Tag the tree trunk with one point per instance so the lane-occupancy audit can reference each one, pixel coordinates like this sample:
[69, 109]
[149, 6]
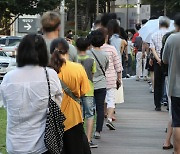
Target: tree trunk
[165, 8]
[87, 16]
[108, 6]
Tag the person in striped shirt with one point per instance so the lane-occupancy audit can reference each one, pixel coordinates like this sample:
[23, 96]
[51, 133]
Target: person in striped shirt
[113, 74]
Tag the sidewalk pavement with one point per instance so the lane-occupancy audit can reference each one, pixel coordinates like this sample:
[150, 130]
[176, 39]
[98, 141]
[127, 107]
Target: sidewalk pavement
[139, 129]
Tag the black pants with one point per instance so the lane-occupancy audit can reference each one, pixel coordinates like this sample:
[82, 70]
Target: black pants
[75, 141]
[158, 84]
[175, 107]
[128, 66]
[99, 97]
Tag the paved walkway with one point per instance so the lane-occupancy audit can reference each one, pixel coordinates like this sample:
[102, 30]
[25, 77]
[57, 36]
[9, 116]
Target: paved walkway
[139, 129]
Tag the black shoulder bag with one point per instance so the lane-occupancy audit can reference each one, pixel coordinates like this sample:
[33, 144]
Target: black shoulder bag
[54, 129]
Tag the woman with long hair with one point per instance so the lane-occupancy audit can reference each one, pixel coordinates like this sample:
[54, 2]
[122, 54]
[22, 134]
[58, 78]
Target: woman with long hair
[115, 37]
[113, 76]
[75, 79]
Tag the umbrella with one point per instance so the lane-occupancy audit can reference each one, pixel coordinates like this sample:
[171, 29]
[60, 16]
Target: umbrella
[150, 27]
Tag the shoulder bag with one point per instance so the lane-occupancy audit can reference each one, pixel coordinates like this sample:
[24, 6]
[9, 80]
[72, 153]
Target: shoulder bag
[54, 129]
[69, 92]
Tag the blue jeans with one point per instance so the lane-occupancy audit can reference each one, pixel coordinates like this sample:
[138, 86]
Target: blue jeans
[88, 106]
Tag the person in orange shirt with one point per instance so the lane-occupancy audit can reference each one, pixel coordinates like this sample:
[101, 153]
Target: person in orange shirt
[75, 78]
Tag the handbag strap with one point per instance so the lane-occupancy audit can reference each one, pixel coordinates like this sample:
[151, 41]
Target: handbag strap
[49, 89]
[69, 92]
[99, 64]
[47, 77]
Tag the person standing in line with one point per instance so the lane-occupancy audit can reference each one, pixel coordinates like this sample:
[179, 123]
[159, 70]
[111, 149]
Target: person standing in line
[113, 76]
[156, 45]
[75, 78]
[50, 22]
[96, 25]
[87, 101]
[124, 36]
[97, 39]
[128, 66]
[107, 17]
[171, 56]
[140, 59]
[114, 37]
[137, 27]
[167, 144]
[25, 96]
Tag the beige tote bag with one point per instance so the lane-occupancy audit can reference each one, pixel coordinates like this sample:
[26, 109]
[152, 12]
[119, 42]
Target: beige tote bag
[119, 96]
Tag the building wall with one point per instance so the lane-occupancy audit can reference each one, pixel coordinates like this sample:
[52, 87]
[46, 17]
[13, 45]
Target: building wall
[129, 15]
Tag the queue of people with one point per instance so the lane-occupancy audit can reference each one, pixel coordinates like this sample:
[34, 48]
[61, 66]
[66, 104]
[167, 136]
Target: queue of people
[83, 80]
[79, 79]
[163, 49]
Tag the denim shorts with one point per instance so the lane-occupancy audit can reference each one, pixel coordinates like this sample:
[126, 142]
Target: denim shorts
[88, 106]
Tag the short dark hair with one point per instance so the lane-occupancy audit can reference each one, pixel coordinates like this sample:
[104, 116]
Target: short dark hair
[97, 38]
[70, 36]
[107, 17]
[138, 26]
[97, 22]
[32, 50]
[153, 17]
[133, 31]
[82, 44]
[177, 19]
[60, 44]
[123, 34]
[144, 21]
[104, 31]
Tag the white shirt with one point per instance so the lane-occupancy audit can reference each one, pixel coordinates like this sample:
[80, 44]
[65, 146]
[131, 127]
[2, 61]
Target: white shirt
[156, 40]
[129, 47]
[25, 95]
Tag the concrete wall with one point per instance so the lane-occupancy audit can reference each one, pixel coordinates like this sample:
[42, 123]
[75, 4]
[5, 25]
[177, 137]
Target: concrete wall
[129, 15]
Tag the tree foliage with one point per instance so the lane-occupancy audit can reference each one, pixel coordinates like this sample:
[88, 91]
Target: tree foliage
[13, 8]
[172, 6]
[88, 8]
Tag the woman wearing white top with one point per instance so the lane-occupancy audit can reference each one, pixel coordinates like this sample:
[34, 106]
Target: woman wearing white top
[25, 96]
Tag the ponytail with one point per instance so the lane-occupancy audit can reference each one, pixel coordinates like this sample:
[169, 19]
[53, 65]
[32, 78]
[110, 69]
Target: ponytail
[56, 60]
[58, 48]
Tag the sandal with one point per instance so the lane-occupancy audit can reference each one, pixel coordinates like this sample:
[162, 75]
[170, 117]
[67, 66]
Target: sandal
[167, 147]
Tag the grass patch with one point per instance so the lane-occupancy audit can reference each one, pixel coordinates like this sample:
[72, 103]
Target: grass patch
[3, 123]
